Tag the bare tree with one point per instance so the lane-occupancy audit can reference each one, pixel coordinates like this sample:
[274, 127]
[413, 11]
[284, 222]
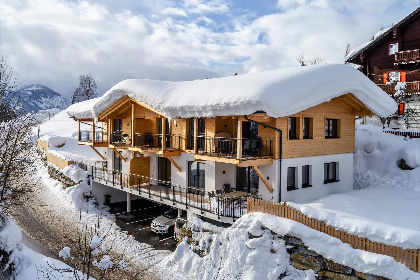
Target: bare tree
[16, 155]
[87, 89]
[310, 61]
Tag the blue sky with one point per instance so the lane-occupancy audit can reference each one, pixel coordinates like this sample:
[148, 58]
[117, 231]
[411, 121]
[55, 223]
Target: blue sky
[54, 41]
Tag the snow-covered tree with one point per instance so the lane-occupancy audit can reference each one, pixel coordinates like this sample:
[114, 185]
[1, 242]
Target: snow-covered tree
[310, 61]
[87, 89]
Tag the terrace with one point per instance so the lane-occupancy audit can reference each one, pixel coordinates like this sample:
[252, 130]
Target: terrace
[405, 57]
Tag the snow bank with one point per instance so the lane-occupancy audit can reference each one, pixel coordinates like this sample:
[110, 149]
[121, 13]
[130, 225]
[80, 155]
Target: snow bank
[232, 255]
[278, 92]
[11, 243]
[53, 141]
[411, 155]
[75, 173]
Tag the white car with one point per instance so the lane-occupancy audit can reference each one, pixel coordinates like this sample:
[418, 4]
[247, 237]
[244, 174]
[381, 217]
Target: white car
[165, 222]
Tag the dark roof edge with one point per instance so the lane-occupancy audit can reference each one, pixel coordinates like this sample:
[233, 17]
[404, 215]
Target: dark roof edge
[397, 25]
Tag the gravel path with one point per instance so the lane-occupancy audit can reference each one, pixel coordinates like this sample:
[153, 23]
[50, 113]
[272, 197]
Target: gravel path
[47, 230]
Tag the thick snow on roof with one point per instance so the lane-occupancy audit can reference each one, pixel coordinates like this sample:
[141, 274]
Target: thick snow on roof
[358, 49]
[83, 109]
[279, 93]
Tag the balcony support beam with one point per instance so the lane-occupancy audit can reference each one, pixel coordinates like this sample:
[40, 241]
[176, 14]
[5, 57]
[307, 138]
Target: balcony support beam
[96, 151]
[174, 163]
[239, 140]
[266, 183]
[120, 155]
[133, 119]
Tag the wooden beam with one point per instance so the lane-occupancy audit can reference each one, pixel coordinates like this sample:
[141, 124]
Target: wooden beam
[99, 154]
[174, 163]
[163, 134]
[195, 134]
[110, 130]
[239, 141]
[262, 178]
[93, 132]
[118, 153]
[132, 124]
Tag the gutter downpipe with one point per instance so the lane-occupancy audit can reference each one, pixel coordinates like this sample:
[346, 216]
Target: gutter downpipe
[281, 146]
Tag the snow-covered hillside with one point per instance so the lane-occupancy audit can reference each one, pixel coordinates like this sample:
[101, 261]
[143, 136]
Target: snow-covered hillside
[35, 97]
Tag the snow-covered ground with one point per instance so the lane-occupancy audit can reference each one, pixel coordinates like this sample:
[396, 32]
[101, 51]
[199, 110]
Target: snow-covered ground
[62, 129]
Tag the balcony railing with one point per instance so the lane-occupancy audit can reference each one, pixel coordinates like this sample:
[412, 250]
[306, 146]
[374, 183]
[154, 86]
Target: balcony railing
[227, 147]
[154, 141]
[411, 87]
[120, 138]
[407, 56]
[87, 136]
[162, 191]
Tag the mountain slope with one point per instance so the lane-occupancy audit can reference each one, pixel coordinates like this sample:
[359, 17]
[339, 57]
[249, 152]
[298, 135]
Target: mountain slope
[35, 97]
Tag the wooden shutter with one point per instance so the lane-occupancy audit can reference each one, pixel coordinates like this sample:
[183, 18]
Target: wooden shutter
[385, 78]
[403, 76]
[401, 109]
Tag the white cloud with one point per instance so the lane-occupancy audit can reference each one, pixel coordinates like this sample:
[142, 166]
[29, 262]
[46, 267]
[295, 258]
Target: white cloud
[54, 41]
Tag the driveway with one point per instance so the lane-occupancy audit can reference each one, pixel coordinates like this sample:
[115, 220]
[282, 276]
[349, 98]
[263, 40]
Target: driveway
[137, 222]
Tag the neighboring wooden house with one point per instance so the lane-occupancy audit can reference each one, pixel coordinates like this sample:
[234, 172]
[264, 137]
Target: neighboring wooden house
[205, 145]
[394, 56]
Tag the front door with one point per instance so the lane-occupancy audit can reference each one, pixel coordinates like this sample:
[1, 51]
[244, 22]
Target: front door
[196, 176]
[164, 172]
[247, 180]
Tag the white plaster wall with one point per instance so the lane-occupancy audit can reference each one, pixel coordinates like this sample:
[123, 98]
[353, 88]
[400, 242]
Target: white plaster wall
[228, 178]
[210, 167]
[99, 190]
[318, 189]
[270, 173]
[177, 177]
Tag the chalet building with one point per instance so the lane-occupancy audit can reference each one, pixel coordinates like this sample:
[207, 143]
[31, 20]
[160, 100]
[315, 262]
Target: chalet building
[206, 145]
[394, 56]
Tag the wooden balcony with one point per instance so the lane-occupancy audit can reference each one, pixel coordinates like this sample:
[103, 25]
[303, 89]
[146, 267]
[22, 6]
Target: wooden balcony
[93, 138]
[411, 88]
[405, 57]
[154, 143]
[234, 150]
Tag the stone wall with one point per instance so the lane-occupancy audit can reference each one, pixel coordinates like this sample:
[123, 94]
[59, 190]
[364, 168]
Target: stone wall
[300, 257]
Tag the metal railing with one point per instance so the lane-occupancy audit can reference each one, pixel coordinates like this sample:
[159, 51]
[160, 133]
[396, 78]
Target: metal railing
[87, 136]
[158, 190]
[227, 147]
[407, 56]
[154, 141]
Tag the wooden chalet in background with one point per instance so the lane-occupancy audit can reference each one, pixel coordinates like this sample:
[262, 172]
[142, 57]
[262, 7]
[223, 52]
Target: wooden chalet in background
[393, 56]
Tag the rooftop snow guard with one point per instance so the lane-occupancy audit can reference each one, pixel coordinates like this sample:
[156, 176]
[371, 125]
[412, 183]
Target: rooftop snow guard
[279, 93]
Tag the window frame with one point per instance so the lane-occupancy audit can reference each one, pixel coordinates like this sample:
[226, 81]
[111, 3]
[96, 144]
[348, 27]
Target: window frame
[308, 122]
[327, 125]
[393, 46]
[331, 178]
[306, 170]
[292, 176]
[293, 128]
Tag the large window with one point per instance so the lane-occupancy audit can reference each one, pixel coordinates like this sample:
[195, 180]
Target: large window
[117, 124]
[331, 128]
[164, 171]
[393, 48]
[201, 133]
[117, 162]
[306, 176]
[291, 178]
[330, 172]
[247, 180]
[307, 128]
[190, 134]
[293, 128]
[197, 176]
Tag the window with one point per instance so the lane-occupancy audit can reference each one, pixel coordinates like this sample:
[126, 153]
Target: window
[293, 128]
[164, 172]
[117, 124]
[190, 134]
[196, 176]
[117, 162]
[306, 176]
[307, 128]
[331, 128]
[394, 77]
[393, 48]
[291, 178]
[330, 172]
[201, 133]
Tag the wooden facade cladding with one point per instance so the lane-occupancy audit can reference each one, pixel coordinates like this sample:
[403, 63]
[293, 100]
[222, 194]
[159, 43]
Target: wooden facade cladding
[343, 109]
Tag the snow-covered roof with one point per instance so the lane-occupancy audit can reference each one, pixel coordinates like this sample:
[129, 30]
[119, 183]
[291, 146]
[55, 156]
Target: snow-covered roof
[279, 93]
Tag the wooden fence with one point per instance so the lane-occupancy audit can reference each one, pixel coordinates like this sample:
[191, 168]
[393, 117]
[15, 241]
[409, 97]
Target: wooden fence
[408, 257]
[410, 134]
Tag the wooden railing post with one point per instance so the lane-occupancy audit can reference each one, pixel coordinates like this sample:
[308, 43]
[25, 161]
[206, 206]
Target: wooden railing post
[239, 140]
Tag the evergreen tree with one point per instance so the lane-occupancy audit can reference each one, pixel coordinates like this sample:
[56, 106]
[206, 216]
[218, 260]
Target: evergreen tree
[87, 89]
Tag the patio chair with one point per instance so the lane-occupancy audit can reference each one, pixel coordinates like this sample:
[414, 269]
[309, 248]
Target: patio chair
[219, 192]
[226, 188]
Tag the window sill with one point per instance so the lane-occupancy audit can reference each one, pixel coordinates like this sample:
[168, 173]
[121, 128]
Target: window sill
[291, 188]
[306, 186]
[332, 181]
